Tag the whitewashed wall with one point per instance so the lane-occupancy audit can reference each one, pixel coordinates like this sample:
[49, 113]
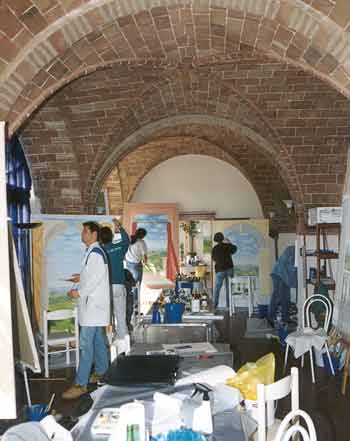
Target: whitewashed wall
[197, 182]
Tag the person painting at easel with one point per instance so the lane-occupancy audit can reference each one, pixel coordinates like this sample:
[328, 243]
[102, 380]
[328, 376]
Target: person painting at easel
[222, 256]
[135, 258]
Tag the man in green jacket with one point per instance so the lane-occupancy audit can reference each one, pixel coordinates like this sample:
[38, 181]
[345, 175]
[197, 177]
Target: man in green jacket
[116, 247]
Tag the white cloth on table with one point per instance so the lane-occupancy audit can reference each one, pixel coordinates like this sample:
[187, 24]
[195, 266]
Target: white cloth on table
[305, 339]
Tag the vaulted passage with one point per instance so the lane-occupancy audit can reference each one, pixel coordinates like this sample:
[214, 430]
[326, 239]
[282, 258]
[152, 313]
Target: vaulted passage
[107, 90]
[107, 95]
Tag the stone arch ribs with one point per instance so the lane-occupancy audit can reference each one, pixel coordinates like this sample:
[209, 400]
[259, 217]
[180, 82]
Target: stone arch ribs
[44, 47]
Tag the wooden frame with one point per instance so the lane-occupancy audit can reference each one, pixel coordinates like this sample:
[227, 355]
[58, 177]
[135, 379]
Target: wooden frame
[133, 209]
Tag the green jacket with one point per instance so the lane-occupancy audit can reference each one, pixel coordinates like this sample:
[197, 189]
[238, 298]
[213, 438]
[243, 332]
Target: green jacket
[116, 251]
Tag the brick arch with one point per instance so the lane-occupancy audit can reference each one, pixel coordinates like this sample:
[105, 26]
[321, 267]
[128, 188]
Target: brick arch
[181, 146]
[196, 94]
[151, 131]
[130, 170]
[309, 116]
[65, 46]
[145, 133]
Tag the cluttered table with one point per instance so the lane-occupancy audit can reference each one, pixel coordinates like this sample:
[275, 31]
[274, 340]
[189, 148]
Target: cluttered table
[202, 363]
[178, 316]
[190, 322]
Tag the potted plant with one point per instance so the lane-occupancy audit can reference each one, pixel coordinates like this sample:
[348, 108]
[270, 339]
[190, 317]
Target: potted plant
[190, 228]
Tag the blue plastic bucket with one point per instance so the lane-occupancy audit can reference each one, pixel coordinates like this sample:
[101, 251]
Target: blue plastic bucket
[173, 312]
[36, 412]
[335, 362]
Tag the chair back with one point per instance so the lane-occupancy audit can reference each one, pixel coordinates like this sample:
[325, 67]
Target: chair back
[267, 395]
[286, 431]
[241, 285]
[60, 314]
[325, 302]
[60, 338]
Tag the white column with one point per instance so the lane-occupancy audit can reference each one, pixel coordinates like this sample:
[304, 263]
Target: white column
[7, 377]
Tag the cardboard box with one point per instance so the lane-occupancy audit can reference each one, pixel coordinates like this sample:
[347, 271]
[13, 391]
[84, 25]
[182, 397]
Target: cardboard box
[324, 215]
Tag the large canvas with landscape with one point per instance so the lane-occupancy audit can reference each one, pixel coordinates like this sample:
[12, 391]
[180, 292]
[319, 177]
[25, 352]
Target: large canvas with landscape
[156, 240]
[253, 256]
[57, 253]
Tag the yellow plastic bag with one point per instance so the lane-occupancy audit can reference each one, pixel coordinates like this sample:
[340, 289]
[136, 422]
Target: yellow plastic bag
[252, 374]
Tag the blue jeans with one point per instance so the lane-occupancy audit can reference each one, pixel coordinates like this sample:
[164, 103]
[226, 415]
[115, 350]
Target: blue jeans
[219, 280]
[93, 349]
[280, 296]
[136, 270]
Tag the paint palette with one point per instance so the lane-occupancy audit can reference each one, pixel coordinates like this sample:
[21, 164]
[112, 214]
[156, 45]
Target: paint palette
[105, 421]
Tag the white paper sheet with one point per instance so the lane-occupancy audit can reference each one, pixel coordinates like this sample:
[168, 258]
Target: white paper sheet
[188, 348]
[212, 376]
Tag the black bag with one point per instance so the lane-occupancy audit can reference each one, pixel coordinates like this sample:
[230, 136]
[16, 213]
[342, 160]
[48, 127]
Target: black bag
[143, 369]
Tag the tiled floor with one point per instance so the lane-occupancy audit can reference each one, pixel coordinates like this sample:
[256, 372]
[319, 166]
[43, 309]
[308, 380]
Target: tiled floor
[328, 408]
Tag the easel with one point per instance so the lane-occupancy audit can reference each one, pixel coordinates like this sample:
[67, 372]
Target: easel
[28, 356]
[26, 382]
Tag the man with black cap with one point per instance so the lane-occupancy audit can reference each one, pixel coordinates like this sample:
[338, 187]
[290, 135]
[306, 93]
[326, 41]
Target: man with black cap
[222, 256]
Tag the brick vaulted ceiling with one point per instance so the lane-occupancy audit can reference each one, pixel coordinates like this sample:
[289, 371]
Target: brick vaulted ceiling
[262, 84]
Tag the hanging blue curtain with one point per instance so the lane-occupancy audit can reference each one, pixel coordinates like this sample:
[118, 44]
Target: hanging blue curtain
[19, 184]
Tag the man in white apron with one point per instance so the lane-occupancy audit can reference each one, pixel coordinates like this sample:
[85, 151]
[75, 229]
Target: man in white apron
[93, 295]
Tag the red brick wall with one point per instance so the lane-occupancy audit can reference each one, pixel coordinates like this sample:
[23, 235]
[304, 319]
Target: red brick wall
[87, 84]
[295, 120]
[45, 44]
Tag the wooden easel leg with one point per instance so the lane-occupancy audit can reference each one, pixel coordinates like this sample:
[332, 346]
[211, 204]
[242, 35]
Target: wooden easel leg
[345, 372]
[26, 383]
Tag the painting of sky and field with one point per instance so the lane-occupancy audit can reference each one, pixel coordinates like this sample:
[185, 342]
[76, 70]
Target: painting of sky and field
[156, 240]
[63, 252]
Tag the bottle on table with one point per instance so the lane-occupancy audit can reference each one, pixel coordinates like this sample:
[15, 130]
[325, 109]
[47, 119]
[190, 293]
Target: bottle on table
[204, 302]
[195, 301]
[133, 432]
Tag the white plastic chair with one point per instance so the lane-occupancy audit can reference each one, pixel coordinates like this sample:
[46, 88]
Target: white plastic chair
[267, 395]
[241, 288]
[288, 429]
[57, 339]
[306, 322]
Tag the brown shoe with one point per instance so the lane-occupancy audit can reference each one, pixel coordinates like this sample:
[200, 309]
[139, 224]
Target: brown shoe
[74, 392]
[97, 379]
